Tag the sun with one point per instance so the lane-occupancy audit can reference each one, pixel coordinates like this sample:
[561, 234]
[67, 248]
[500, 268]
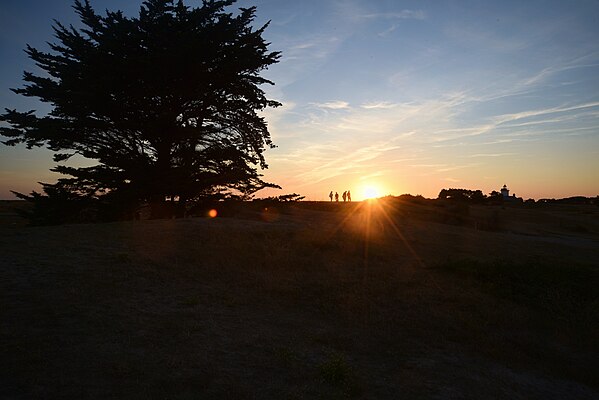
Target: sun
[370, 192]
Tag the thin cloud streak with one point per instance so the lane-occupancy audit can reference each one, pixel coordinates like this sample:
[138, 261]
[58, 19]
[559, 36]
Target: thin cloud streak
[333, 105]
[403, 14]
[502, 119]
[491, 155]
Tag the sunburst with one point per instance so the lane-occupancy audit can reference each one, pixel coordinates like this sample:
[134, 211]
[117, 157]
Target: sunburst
[371, 192]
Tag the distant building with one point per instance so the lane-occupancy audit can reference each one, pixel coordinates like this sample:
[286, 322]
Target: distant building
[505, 194]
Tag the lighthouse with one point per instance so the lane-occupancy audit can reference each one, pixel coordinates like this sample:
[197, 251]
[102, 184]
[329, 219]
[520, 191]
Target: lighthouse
[505, 192]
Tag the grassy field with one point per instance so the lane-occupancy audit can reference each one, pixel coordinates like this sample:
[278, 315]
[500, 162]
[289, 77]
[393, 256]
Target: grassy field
[377, 300]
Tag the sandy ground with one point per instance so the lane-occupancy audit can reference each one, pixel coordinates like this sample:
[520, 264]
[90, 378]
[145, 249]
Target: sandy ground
[299, 302]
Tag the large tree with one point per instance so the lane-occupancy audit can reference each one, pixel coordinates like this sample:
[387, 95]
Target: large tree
[167, 103]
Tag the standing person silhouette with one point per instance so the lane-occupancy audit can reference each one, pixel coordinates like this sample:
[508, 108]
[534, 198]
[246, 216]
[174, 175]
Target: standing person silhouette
[348, 195]
[344, 195]
[336, 196]
[331, 195]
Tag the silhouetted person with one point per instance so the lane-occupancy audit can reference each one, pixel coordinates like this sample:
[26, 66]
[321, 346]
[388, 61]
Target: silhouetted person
[348, 195]
[336, 196]
[331, 195]
[344, 195]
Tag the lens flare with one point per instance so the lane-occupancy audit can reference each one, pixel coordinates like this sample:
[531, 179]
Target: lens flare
[212, 213]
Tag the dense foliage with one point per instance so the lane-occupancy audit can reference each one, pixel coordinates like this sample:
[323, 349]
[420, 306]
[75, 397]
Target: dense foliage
[167, 104]
[474, 196]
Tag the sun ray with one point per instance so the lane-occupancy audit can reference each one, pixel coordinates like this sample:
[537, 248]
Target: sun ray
[413, 252]
[372, 210]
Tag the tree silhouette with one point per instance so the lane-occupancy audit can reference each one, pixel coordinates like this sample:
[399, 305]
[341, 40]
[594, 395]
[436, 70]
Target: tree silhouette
[465, 195]
[166, 102]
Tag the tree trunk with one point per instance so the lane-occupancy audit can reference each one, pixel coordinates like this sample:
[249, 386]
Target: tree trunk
[158, 205]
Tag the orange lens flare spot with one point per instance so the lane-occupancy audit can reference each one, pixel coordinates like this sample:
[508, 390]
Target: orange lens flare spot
[212, 213]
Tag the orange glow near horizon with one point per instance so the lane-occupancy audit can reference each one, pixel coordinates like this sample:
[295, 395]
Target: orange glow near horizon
[212, 213]
[370, 192]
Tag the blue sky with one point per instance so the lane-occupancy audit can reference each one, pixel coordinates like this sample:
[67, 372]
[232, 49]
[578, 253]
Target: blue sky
[399, 96]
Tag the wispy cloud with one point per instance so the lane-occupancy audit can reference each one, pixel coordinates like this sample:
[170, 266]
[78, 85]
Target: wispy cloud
[379, 105]
[505, 118]
[491, 155]
[452, 180]
[372, 175]
[471, 37]
[505, 121]
[535, 81]
[588, 60]
[455, 167]
[349, 158]
[403, 14]
[333, 105]
[352, 138]
[311, 47]
[389, 30]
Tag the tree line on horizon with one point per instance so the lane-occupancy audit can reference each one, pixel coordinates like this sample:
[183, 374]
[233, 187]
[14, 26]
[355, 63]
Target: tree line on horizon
[478, 197]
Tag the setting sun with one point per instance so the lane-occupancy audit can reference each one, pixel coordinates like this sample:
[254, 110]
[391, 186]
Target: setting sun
[370, 192]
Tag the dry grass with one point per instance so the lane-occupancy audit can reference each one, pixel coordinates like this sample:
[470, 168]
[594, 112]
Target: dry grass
[375, 300]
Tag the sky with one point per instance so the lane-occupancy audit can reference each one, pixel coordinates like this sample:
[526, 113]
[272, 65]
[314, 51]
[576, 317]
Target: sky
[392, 97]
